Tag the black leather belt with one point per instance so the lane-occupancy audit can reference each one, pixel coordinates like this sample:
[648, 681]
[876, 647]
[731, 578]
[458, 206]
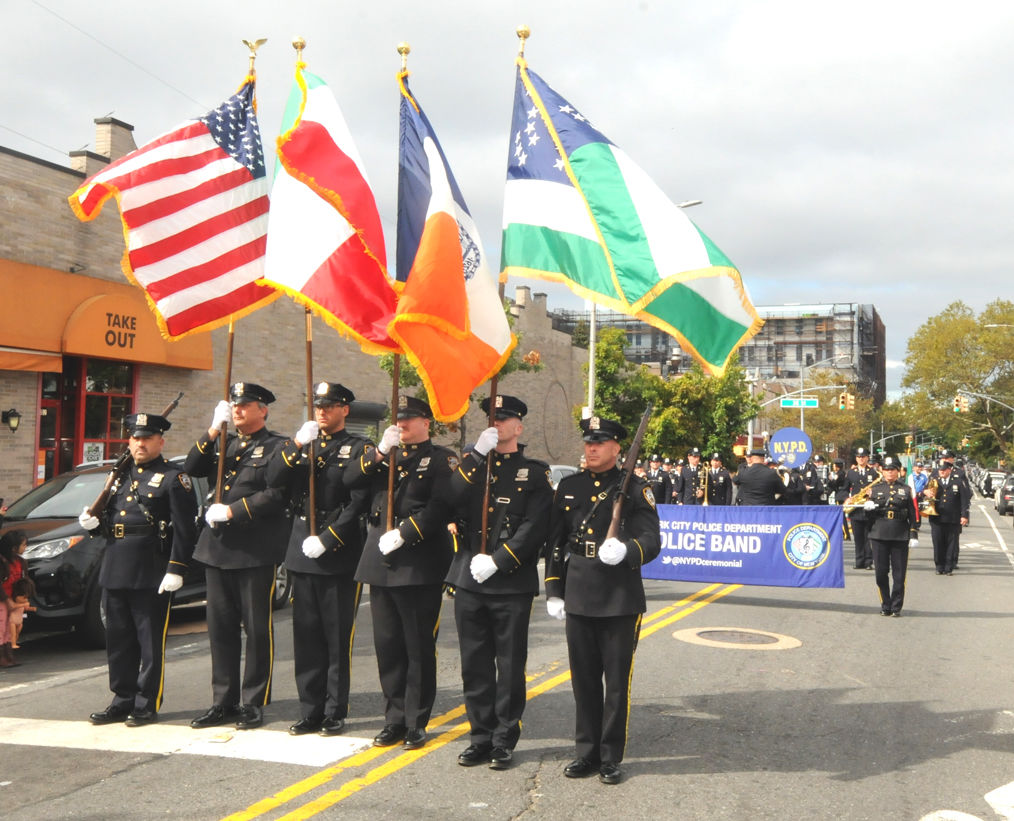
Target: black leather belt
[121, 531]
[587, 549]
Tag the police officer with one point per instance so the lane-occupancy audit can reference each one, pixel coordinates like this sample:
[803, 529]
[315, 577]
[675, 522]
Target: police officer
[813, 481]
[719, 482]
[149, 526]
[855, 480]
[894, 528]
[661, 485]
[406, 566]
[494, 589]
[322, 565]
[246, 540]
[757, 483]
[952, 499]
[687, 488]
[595, 582]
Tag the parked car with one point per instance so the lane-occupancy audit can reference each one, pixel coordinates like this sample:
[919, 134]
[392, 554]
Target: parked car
[64, 562]
[1003, 499]
[557, 472]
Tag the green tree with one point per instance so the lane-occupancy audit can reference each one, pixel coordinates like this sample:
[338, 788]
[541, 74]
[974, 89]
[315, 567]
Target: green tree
[580, 337]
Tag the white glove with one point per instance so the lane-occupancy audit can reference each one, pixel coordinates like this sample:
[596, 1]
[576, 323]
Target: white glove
[870, 505]
[390, 439]
[913, 542]
[554, 606]
[307, 433]
[87, 521]
[313, 547]
[612, 551]
[486, 442]
[391, 541]
[217, 513]
[222, 414]
[482, 566]
[171, 582]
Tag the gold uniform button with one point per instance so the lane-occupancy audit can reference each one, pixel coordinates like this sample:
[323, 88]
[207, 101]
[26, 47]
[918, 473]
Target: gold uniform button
[130, 498]
[491, 510]
[590, 531]
[123, 513]
[226, 487]
[242, 444]
[593, 498]
[597, 483]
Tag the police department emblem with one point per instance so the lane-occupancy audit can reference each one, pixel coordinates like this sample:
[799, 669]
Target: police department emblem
[185, 481]
[322, 389]
[470, 254]
[806, 546]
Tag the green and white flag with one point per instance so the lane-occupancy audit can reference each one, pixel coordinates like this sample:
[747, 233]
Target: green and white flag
[577, 210]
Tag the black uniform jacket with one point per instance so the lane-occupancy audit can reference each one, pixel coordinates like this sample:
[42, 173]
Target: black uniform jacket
[151, 519]
[255, 489]
[855, 480]
[519, 501]
[896, 517]
[953, 500]
[577, 526]
[661, 486]
[341, 512]
[813, 487]
[758, 485]
[686, 484]
[719, 486]
[421, 512]
[837, 485]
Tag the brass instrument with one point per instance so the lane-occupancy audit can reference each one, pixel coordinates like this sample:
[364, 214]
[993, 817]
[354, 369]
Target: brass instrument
[861, 496]
[703, 483]
[928, 504]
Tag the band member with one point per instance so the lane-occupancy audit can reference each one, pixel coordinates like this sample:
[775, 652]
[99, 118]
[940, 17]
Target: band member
[406, 566]
[149, 527]
[595, 583]
[322, 566]
[494, 589]
[813, 481]
[757, 483]
[661, 484]
[687, 488]
[952, 499]
[894, 528]
[719, 482]
[856, 479]
[242, 548]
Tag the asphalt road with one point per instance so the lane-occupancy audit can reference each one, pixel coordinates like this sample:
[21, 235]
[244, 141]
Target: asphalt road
[748, 702]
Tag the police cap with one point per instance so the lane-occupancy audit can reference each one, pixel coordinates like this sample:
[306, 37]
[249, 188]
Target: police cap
[332, 393]
[410, 407]
[694, 452]
[505, 407]
[716, 457]
[946, 454]
[597, 429]
[862, 452]
[656, 458]
[243, 392]
[758, 452]
[146, 424]
[891, 463]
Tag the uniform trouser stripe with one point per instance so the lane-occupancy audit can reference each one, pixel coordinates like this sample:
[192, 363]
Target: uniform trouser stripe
[165, 633]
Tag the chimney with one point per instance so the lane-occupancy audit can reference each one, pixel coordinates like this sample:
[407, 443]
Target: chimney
[522, 295]
[540, 303]
[113, 138]
[88, 162]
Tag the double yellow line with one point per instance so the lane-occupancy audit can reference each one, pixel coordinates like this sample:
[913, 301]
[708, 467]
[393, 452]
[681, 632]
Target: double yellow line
[651, 623]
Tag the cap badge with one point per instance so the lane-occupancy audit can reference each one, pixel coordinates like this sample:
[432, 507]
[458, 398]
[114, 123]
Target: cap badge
[142, 420]
[594, 423]
[322, 389]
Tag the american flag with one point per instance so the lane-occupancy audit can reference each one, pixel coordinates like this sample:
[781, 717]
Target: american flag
[194, 205]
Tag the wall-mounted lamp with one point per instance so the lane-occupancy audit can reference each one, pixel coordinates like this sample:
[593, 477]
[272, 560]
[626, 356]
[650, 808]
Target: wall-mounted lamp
[11, 418]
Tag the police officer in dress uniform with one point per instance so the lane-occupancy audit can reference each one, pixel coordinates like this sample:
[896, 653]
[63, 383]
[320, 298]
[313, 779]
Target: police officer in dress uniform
[719, 482]
[596, 584]
[952, 500]
[406, 566]
[813, 482]
[758, 484]
[893, 517]
[149, 526]
[494, 590]
[855, 480]
[661, 484]
[322, 566]
[246, 540]
[687, 487]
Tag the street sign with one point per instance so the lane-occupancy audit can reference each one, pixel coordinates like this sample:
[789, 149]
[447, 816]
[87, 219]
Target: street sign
[800, 402]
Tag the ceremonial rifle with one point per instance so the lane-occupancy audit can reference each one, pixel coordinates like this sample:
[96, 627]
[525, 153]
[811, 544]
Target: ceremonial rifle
[122, 467]
[628, 472]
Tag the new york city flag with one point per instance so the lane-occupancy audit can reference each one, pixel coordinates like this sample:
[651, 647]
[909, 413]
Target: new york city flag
[577, 210]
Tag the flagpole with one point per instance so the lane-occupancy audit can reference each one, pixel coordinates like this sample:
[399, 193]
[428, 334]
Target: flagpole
[311, 514]
[395, 378]
[591, 361]
[224, 429]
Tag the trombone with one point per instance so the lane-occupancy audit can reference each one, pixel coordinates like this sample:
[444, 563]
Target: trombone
[702, 483]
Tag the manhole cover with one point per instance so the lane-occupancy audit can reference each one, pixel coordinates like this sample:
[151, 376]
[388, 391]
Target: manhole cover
[738, 637]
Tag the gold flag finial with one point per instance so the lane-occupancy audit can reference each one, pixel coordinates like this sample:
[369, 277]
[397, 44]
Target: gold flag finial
[523, 34]
[298, 43]
[403, 50]
[256, 44]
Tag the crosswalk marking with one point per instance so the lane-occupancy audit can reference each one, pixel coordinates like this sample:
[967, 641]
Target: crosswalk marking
[174, 739]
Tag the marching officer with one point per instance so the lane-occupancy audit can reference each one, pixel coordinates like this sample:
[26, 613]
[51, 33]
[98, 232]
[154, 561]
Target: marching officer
[661, 484]
[952, 499]
[406, 566]
[149, 526]
[893, 516]
[687, 487]
[813, 482]
[719, 482]
[242, 548]
[595, 583]
[494, 589]
[855, 480]
[757, 483]
[322, 565]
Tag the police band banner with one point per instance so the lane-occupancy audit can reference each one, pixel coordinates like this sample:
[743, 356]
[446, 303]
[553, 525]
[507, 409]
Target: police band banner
[791, 546]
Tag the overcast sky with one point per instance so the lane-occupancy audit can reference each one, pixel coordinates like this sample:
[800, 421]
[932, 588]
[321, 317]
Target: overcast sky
[844, 153]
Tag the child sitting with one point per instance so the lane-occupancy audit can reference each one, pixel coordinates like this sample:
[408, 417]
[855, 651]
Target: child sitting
[17, 605]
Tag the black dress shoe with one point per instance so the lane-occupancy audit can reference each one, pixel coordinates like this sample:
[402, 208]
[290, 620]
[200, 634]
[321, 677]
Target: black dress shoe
[391, 734]
[610, 773]
[249, 717]
[896, 614]
[111, 715]
[885, 612]
[475, 754]
[214, 716]
[580, 768]
[500, 758]
[414, 738]
[138, 718]
[332, 725]
[305, 726]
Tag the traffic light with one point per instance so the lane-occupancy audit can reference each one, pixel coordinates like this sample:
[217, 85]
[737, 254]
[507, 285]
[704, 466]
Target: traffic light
[964, 442]
[841, 400]
[850, 401]
[957, 404]
[964, 404]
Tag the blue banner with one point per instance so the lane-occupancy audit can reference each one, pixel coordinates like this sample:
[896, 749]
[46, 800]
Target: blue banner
[791, 546]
